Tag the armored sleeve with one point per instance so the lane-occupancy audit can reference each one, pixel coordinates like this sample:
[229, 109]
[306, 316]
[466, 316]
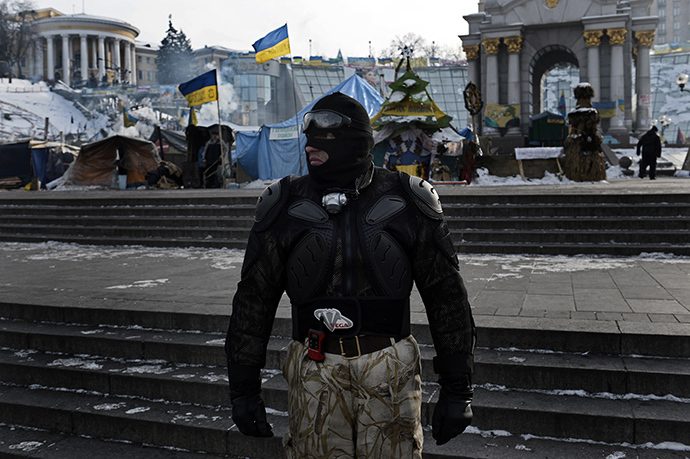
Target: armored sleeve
[443, 291]
[259, 290]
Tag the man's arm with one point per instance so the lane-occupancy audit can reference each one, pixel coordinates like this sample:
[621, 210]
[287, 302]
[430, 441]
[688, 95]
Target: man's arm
[437, 276]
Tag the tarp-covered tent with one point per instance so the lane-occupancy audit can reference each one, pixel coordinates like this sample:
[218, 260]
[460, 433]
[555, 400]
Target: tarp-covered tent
[47, 161]
[100, 163]
[171, 145]
[278, 150]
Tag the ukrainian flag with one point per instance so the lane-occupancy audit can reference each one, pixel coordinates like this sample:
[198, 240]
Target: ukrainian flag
[201, 89]
[606, 109]
[275, 44]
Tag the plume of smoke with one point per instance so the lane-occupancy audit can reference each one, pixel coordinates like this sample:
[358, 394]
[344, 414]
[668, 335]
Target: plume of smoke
[208, 114]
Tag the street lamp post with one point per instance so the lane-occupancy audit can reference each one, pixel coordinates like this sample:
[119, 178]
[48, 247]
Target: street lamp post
[682, 80]
[665, 122]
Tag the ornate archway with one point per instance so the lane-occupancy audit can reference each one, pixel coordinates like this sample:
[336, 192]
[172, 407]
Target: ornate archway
[512, 43]
[542, 62]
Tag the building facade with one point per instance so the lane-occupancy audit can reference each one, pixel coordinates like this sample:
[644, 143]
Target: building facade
[80, 48]
[674, 21]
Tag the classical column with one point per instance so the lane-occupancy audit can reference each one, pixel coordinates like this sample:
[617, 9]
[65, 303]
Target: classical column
[101, 58]
[514, 45]
[84, 58]
[593, 41]
[644, 39]
[491, 49]
[128, 63]
[133, 65]
[616, 40]
[472, 54]
[116, 59]
[94, 55]
[50, 57]
[65, 59]
[39, 59]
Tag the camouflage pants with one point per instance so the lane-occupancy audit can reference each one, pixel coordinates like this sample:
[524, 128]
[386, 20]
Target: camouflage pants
[369, 407]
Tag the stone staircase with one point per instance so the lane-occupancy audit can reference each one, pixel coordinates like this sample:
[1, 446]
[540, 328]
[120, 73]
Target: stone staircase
[88, 382]
[562, 224]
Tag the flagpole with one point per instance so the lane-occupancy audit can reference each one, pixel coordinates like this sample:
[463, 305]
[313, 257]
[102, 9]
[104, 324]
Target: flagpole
[297, 125]
[220, 131]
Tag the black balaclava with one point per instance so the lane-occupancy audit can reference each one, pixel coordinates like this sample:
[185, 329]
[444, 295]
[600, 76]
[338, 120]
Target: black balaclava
[348, 153]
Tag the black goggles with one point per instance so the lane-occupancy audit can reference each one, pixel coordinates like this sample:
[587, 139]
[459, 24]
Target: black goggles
[329, 119]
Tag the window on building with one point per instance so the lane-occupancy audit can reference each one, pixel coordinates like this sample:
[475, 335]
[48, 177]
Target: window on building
[148, 60]
[676, 11]
[661, 3]
[148, 75]
[141, 74]
[662, 14]
[676, 26]
[662, 28]
[139, 59]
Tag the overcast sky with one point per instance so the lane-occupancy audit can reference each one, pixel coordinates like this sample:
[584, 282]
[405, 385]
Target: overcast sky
[331, 26]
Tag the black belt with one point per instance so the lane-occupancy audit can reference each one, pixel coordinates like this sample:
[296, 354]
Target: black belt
[357, 346]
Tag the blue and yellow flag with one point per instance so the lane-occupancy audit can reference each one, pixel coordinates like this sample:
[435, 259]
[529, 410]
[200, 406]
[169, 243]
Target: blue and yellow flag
[561, 103]
[128, 119]
[192, 118]
[201, 89]
[606, 109]
[275, 44]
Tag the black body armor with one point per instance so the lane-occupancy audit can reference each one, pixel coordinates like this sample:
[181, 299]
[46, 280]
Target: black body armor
[351, 272]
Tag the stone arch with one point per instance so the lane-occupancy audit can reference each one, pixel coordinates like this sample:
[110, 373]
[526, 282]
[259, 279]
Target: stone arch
[511, 44]
[542, 61]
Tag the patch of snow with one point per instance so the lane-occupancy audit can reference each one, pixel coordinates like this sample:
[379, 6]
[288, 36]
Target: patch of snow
[140, 284]
[139, 409]
[27, 446]
[148, 369]
[109, 406]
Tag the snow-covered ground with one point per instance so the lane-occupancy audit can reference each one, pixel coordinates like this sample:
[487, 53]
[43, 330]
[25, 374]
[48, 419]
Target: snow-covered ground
[24, 107]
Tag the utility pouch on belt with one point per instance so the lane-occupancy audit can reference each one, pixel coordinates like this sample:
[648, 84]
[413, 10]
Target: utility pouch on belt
[315, 345]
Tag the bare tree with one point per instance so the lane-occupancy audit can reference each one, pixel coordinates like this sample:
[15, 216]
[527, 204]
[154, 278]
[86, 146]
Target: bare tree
[413, 41]
[16, 34]
[421, 48]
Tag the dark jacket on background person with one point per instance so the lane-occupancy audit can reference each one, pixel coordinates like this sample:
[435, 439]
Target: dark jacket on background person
[650, 144]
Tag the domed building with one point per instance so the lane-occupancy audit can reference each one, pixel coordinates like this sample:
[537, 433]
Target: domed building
[78, 48]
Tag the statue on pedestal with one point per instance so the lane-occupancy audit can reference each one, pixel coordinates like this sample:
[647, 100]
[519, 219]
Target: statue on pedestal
[584, 161]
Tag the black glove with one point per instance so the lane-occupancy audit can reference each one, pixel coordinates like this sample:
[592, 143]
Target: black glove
[249, 414]
[248, 409]
[453, 412]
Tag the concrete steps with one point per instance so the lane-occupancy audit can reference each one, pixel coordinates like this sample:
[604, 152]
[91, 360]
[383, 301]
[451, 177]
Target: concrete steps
[564, 224]
[160, 379]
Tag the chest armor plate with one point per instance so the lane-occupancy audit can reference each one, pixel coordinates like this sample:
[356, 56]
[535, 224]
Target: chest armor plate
[317, 256]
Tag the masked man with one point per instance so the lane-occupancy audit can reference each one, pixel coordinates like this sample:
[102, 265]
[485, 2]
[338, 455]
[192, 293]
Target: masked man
[347, 242]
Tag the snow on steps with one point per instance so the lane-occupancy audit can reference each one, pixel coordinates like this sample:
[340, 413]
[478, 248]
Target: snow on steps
[167, 387]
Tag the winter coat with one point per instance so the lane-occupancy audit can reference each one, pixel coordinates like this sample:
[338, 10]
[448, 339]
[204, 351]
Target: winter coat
[650, 143]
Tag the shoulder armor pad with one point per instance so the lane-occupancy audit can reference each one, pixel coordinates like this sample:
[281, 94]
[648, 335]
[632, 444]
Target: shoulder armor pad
[309, 211]
[270, 203]
[385, 208]
[425, 196]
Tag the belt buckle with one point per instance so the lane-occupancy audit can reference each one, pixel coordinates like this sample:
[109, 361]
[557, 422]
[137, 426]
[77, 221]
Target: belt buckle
[342, 351]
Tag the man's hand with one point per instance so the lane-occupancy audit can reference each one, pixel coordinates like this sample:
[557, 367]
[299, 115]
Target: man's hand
[248, 409]
[249, 414]
[453, 412]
